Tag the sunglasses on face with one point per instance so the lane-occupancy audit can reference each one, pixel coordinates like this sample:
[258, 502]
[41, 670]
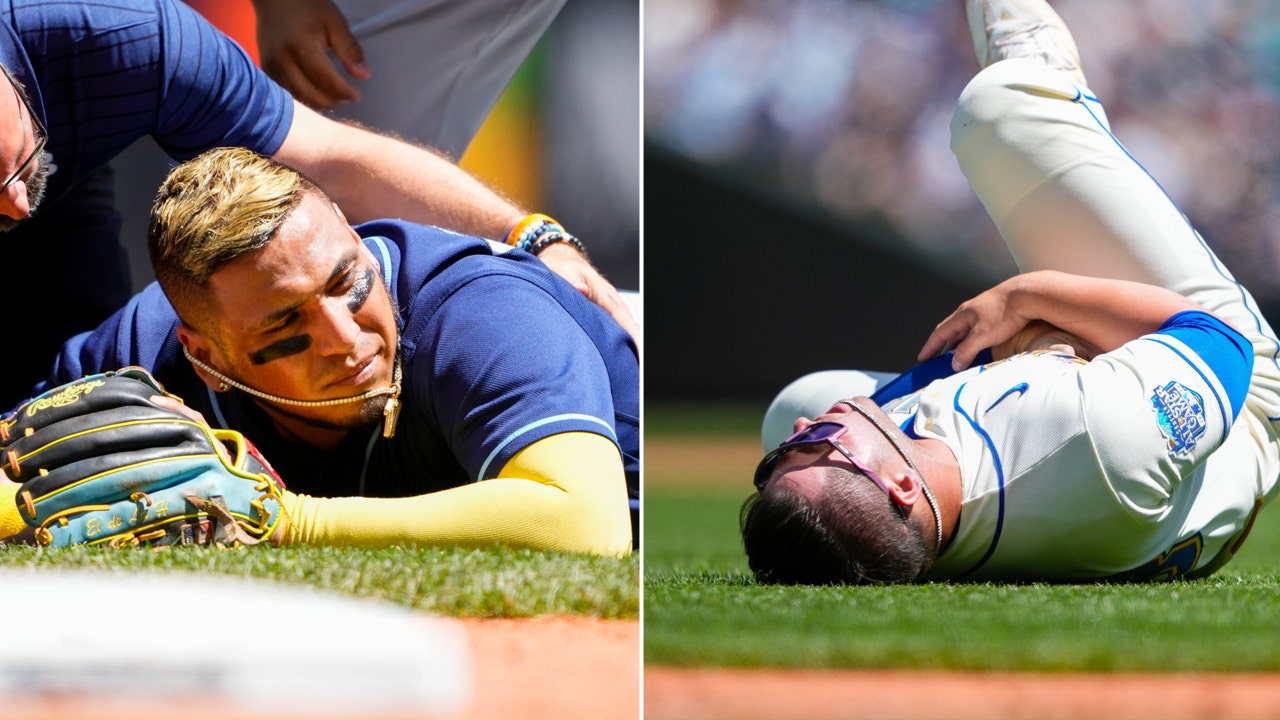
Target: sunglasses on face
[819, 433]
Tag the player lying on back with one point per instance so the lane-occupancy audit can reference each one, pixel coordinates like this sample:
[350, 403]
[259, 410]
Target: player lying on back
[1120, 422]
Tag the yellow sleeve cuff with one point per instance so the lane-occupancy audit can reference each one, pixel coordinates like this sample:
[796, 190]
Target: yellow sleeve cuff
[11, 522]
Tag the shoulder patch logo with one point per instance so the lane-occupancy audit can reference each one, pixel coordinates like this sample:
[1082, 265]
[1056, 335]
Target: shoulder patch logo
[1180, 414]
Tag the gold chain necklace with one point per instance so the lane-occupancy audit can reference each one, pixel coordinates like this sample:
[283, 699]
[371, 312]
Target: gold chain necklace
[390, 411]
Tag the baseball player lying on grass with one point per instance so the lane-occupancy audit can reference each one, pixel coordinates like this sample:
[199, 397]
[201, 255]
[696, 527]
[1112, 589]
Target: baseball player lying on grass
[1121, 423]
[377, 369]
[83, 81]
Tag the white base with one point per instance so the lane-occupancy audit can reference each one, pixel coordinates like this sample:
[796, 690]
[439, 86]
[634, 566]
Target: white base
[144, 638]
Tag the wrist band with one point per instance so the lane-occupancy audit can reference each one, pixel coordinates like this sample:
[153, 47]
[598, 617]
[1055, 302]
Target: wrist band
[551, 237]
[530, 229]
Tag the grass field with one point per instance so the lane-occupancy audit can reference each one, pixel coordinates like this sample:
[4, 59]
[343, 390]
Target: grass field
[454, 582]
[702, 609]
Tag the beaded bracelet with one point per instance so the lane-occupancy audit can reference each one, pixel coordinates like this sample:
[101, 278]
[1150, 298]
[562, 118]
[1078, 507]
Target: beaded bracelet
[547, 239]
[530, 229]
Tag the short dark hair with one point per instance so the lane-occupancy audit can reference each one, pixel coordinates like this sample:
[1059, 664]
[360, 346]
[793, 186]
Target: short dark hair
[848, 535]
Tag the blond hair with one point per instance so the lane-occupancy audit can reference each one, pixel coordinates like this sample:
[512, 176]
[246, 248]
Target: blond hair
[210, 210]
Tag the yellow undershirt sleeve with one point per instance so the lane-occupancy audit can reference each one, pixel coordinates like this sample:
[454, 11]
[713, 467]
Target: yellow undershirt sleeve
[565, 492]
[11, 522]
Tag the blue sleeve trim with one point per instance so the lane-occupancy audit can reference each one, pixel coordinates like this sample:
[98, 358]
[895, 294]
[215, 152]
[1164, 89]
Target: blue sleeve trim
[1227, 418]
[379, 246]
[606, 430]
[921, 375]
[1227, 352]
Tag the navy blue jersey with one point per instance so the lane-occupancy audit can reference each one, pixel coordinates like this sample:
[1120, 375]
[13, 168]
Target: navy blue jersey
[105, 73]
[498, 353]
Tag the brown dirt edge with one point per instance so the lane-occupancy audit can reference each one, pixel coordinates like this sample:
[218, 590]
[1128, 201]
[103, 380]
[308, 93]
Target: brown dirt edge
[701, 463]
[546, 668]
[554, 668]
[716, 694]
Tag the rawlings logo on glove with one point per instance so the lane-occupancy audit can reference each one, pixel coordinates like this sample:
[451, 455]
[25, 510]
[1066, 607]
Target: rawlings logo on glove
[101, 463]
[60, 397]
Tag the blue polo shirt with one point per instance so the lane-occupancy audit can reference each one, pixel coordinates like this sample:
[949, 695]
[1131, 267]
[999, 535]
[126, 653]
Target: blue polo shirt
[105, 73]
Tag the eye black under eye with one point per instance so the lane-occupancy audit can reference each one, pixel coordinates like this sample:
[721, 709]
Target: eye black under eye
[361, 287]
[283, 348]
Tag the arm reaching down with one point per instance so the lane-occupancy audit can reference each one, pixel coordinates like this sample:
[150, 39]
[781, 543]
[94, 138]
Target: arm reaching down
[1103, 313]
[565, 492]
[372, 176]
[295, 39]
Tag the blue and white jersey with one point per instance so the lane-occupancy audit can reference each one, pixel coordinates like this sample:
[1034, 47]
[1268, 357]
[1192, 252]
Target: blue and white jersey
[1147, 462]
[1137, 468]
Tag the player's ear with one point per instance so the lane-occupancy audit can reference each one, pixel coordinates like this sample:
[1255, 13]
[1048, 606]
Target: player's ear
[198, 346]
[905, 490]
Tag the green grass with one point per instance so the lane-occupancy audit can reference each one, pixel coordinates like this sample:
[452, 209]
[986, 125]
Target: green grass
[702, 609]
[454, 582]
[692, 533]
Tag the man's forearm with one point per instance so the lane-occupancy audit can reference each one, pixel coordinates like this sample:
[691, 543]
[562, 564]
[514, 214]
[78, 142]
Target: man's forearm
[1040, 335]
[372, 176]
[1106, 313]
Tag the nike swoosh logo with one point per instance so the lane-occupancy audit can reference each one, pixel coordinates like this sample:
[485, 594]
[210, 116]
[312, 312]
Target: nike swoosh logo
[1018, 389]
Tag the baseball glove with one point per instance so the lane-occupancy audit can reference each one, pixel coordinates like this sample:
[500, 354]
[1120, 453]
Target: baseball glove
[101, 463]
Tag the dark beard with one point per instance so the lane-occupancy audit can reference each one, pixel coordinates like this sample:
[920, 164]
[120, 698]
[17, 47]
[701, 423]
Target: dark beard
[35, 193]
[370, 413]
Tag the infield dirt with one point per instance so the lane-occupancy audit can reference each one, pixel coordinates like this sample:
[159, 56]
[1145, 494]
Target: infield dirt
[708, 694]
[555, 668]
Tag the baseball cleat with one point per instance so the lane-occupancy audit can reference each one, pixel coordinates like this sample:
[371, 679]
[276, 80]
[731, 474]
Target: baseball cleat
[1004, 29]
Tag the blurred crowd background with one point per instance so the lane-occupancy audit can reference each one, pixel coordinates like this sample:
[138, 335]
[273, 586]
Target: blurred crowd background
[821, 127]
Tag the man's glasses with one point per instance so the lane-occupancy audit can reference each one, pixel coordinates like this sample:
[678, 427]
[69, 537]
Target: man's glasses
[818, 433]
[37, 131]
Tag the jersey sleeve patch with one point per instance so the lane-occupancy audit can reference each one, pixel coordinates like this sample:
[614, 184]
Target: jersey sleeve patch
[1180, 415]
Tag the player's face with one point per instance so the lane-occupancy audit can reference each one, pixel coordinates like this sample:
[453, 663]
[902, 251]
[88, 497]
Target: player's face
[308, 318]
[23, 164]
[824, 432]
[861, 445]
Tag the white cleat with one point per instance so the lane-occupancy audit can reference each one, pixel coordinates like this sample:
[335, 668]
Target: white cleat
[1004, 29]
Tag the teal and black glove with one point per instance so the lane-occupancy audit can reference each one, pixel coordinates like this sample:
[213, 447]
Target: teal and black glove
[101, 463]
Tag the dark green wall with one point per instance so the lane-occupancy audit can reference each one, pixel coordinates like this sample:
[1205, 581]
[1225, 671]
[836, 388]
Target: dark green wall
[743, 294]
